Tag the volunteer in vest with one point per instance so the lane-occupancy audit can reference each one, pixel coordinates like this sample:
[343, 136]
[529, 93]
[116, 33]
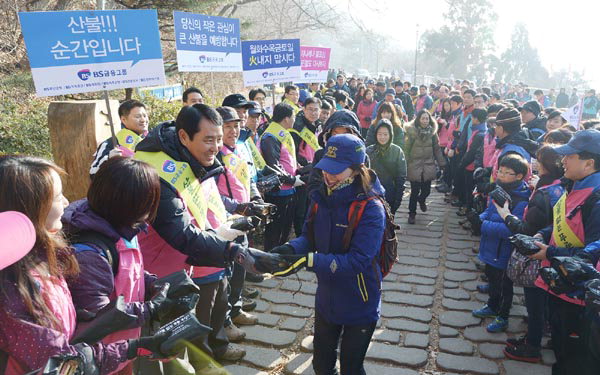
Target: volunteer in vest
[460, 142]
[575, 233]
[134, 127]
[291, 96]
[181, 237]
[306, 143]
[36, 310]
[348, 295]
[278, 150]
[238, 190]
[122, 197]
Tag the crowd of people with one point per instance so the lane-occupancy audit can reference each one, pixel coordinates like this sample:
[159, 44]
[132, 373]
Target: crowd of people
[175, 213]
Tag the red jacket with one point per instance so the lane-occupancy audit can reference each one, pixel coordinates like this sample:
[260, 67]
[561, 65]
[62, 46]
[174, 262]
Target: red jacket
[364, 112]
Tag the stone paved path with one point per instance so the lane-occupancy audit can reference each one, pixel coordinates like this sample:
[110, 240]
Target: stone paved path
[426, 325]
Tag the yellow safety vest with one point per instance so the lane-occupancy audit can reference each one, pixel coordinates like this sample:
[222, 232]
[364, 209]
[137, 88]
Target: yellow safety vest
[309, 137]
[257, 157]
[294, 106]
[562, 234]
[239, 167]
[284, 136]
[128, 139]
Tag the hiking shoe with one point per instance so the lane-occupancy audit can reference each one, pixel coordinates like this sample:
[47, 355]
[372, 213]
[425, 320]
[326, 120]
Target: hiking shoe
[234, 334]
[463, 221]
[498, 325]
[484, 312]
[524, 353]
[467, 226]
[462, 211]
[233, 353]
[483, 288]
[514, 341]
[250, 292]
[423, 206]
[245, 319]
[456, 203]
[254, 278]
[412, 218]
[248, 304]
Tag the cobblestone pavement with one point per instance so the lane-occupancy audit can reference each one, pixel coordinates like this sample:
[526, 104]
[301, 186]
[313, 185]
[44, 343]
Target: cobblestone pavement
[426, 325]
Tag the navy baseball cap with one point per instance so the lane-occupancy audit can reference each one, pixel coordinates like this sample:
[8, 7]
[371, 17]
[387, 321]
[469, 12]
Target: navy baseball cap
[342, 151]
[583, 140]
[390, 92]
[236, 101]
[255, 110]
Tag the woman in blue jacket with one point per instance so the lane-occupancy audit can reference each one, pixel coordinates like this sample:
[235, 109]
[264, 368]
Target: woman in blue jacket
[349, 279]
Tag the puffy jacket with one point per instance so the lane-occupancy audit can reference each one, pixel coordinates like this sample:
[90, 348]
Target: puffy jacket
[173, 222]
[422, 152]
[349, 281]
[365, 111]
[390, 165]
[495, 248]
[399, 136]
[536, 127]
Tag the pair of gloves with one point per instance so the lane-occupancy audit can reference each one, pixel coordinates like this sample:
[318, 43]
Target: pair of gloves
[295, 262]
[280, 261]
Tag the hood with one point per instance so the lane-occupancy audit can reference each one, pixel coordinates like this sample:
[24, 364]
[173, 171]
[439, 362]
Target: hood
[521, 139]
[343, 117]
[537, 123]
[164, 138]
[390, 128]
[78, 217]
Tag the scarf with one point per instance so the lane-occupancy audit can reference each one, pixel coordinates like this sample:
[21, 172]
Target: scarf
[340, 185]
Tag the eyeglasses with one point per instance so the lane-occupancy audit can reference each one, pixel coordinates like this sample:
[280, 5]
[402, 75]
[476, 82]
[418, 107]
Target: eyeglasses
[504, 173]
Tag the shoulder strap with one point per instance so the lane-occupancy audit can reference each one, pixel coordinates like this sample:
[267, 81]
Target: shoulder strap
[106, 247]
[354, 215]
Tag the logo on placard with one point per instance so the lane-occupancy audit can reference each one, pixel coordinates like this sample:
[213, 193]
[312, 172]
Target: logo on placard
[281, 133]
[202, 59]
[129, 139]
[265, 74]
[232, 162]
[84, 74]
[169, 166]
[306, 75]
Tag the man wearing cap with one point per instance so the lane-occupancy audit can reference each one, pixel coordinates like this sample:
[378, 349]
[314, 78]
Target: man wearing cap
[424, 101]
[240, 104]
[278, 150]
[532, 121]
[349, 277]
[575, 232]
[379, 91]
[405, 99]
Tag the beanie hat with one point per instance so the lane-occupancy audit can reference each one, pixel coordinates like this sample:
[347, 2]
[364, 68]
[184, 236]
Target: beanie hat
[509, 119]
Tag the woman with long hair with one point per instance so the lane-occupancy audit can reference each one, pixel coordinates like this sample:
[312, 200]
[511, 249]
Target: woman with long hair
[387, 111]
[36, 310]
[349, 277]
[364, 111]
[423, 152]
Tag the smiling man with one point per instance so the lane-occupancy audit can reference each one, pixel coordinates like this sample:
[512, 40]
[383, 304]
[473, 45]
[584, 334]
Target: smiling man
[134, 127]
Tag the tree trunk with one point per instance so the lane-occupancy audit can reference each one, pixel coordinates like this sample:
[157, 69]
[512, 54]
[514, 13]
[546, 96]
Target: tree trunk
[128, 93]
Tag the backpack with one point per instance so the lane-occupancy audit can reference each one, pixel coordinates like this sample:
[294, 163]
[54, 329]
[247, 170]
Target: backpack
[388, 252]
[99, 243]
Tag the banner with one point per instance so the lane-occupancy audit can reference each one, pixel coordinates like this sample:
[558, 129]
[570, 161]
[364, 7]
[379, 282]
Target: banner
[207, 44]
[314, 63]
[81, 51]
[573, 114]
[270, 61]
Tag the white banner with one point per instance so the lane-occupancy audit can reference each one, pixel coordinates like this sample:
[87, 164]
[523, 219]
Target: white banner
[573, 114]
[271, 75]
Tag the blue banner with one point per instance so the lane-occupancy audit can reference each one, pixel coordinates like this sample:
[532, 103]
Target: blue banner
[79, 51]
[270, 61]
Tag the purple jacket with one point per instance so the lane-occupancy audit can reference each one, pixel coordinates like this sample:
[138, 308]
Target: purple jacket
[32, 345]
[94, 286]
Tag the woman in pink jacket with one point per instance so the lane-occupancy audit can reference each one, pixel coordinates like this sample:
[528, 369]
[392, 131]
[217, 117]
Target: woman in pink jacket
[364, 112]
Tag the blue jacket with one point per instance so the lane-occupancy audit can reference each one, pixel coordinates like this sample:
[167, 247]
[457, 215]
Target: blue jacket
[494, 247]
[349, 282]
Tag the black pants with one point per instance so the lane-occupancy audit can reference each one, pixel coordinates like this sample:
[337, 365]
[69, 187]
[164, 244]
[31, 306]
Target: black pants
[300, 212]
[278, 230]
[419, 191]
[591, 341]
[458, 178]
[500, 292]
[447, 173]
[535, 301]
[468, 189]
[566, 320]
[211, 311]
[236, 285]
[355, 342]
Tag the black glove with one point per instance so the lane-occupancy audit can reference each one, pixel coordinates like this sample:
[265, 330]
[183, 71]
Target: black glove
[181, 284]
[576, 271]
[257, 199]
[157, 305]
[555, 281]
[525, 244]
[294, 264]
[111, 318]
[304, 170]
[246, 223]
[288, 179]
[148, 346]
[284, 249]
[269, 183]
[256, 261]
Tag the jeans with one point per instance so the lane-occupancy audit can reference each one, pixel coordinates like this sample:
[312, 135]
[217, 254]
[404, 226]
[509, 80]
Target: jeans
[500, 292]
[566, 329]
[419, 191]
[236, 284]
[355, 342]
[278, 230]
[535, 301]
